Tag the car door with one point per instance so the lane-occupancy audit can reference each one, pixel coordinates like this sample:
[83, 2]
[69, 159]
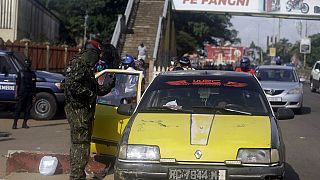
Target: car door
[316, 74]
[7, 79]
[109, 125]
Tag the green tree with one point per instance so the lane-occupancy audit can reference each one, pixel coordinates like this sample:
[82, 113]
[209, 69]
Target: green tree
[315, 50]
[102, 16]
[284, 50]
[202, 27]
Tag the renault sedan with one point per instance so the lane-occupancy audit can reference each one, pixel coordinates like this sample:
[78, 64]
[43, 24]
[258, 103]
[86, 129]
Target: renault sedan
[202, 125]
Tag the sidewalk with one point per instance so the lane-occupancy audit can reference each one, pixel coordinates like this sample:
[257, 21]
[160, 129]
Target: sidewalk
[51, 136]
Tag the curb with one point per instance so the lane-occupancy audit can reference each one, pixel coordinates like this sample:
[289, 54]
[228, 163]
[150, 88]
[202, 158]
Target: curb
[28, 161]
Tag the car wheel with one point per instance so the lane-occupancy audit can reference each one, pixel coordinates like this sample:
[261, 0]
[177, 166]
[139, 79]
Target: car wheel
[44, 107]
[312, 88]
[298, 110]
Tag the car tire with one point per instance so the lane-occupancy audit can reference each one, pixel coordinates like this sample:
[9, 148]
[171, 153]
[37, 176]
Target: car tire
[298, 110]
[312, 85]
[44, 107]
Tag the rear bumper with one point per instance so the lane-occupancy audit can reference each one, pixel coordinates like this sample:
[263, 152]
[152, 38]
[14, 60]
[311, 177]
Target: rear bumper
[125, 170]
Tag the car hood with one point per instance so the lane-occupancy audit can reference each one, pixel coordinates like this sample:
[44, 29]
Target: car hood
[279, 85]
[49, 76]
[218, 137]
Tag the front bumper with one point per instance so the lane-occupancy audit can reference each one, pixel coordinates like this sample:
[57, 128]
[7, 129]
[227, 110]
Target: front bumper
[293, 101]
[125, 170]
[60, 97]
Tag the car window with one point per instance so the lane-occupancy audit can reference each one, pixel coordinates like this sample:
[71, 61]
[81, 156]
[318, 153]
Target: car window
[125, 90]
[317, 66]
[204, 95]
[284, 75]
[6, 66]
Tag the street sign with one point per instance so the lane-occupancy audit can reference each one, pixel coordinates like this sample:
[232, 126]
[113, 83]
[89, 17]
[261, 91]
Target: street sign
[272, 52]
[305, 46]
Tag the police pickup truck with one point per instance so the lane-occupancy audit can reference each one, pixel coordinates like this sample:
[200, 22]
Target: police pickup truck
[49, 86]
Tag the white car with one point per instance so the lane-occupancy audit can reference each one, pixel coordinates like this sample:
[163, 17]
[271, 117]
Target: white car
[315, 77]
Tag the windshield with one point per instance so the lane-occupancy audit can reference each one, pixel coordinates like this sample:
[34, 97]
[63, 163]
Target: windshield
[283, 75]
[204, 95]
[125, 90]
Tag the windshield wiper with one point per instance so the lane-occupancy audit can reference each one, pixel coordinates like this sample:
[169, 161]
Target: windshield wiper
[240, 112]
[166, 108]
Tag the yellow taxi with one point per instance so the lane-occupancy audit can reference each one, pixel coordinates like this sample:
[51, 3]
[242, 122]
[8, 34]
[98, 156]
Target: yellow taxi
[109, 125]
[202, 125]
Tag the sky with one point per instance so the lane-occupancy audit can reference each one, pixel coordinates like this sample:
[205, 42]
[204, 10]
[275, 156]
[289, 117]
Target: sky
[257, 29]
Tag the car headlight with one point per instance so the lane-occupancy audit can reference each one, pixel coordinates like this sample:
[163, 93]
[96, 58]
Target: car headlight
[254, 156]
[295, 91]
[139, 152]
[59, 85]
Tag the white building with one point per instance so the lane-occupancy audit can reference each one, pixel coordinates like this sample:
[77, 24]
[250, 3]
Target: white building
[27, 19]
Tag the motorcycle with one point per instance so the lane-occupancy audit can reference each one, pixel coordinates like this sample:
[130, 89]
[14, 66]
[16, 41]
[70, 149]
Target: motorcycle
[297, 5]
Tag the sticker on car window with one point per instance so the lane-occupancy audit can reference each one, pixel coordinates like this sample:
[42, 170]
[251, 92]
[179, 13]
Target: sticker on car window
[207, 82]
[235, 84]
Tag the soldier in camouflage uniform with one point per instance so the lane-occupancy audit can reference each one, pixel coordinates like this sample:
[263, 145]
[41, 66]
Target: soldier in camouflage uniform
[81, 90]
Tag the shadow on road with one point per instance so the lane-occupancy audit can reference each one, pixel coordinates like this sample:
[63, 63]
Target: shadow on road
[305, 110]
[5, 114]
[5, 136]
[291, 174]
[47, 125]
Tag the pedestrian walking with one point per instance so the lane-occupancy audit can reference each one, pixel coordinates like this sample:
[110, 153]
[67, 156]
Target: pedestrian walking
[25, 92]
[81, 90]
[142, 52]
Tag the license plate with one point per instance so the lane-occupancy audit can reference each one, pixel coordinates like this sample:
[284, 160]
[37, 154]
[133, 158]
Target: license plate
[275, 99]
[197, 174]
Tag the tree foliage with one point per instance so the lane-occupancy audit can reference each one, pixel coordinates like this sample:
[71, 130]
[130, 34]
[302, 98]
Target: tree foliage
[201, 27]
[102, 16]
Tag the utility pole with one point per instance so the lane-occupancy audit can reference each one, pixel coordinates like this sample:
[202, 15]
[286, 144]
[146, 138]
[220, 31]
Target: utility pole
[305, 55]
[279, 30]
[85, 28]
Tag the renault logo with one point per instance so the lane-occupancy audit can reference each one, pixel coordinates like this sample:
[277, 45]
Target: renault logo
[198, 154]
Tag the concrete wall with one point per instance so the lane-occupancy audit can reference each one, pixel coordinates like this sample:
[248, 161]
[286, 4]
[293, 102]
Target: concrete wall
[27, 19]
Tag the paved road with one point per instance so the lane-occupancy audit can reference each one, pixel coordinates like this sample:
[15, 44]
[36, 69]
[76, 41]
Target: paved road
[302, 140]
[301, 136]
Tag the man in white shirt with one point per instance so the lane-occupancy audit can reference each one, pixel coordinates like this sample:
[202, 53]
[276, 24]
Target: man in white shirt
[142, 52]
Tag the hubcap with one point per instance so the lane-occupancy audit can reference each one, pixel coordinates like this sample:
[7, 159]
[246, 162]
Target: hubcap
[42, 106]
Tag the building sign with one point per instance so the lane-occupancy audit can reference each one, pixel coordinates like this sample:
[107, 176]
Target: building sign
[305, 46]
[297, 8]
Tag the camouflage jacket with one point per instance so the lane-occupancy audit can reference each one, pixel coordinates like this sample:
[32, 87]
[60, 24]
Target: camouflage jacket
[81, 87]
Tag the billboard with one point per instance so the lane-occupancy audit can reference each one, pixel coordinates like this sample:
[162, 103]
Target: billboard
[287, 8]
[305, 46]
[224, 55]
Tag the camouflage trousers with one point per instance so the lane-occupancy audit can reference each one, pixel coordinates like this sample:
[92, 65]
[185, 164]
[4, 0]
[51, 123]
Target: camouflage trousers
[80, 120]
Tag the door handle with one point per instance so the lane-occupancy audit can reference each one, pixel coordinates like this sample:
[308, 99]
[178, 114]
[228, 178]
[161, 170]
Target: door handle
[6, 80]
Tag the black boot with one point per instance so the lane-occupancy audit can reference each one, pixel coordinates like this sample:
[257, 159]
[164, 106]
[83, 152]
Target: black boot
[24, 124]
[14, 125]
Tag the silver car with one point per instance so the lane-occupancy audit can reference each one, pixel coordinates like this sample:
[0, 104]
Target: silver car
[282, 86]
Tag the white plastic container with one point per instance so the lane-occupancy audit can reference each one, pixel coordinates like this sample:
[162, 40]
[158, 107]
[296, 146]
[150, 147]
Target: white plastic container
[48, 165]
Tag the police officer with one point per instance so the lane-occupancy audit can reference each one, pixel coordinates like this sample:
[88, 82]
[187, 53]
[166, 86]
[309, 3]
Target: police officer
[81, 90]
[26, 91]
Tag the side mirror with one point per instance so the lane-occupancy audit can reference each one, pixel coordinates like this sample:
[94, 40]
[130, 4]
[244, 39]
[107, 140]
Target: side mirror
[125, 109]
[317, 70]
[284, 113]
[302, 79]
